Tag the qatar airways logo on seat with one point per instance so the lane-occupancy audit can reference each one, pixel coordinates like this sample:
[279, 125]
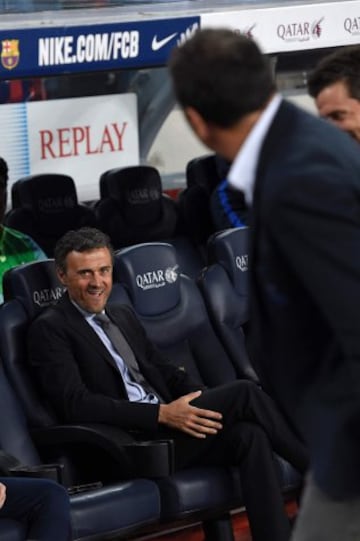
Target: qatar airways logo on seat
[138, 196]
[45, 297]
[242, 262]
[157, 278]
[56, 204]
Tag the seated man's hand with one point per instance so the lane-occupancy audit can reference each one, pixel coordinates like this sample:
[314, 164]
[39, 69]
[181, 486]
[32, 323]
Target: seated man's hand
[197, 422]
[2, 494]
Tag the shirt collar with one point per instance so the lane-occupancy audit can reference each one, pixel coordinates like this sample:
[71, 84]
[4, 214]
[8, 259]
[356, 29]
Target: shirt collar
[87, 315]
[241, 175]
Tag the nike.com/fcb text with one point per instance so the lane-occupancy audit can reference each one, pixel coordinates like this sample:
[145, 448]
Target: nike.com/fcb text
[61, 50]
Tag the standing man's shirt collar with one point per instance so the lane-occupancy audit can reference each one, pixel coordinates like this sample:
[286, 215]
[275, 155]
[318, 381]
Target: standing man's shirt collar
[243, 169]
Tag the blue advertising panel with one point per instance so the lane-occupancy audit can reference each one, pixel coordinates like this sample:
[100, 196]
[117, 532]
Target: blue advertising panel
[73, 49]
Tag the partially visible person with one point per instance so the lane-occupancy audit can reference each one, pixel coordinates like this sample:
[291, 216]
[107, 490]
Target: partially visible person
[15, 247]
[21, 90]
[335, 86]
[301, 178]
[42, 506]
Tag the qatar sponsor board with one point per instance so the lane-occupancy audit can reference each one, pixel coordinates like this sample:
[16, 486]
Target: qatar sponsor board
[294, 28]
[73, 49]
[79, 137]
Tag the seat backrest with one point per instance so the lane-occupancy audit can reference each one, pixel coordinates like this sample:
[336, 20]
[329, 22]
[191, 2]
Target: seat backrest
[171, 308]
[133, 208]
[203, 174]
[224, 286]
[27, 290]
[45, 206]
[14, 435]
[205, 171]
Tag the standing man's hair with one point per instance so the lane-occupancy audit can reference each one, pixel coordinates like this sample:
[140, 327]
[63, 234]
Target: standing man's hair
[80, 240]
[4, 173]
[222, 74]
[342, 65]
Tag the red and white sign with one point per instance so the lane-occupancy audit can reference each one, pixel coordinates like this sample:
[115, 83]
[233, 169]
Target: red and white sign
[83, 137]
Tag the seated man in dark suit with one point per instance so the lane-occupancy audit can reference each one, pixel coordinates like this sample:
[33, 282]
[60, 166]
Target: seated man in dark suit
[77, 361]
[41, 505]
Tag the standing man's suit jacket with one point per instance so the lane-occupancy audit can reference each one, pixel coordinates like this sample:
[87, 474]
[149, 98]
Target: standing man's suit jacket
[79, 377]
[305, 297]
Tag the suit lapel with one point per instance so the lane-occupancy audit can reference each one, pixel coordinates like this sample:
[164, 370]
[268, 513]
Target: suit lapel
[280, 125]
[79, 323]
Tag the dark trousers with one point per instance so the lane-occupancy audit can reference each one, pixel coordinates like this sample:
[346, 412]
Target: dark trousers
[41, 505]
[253, 428]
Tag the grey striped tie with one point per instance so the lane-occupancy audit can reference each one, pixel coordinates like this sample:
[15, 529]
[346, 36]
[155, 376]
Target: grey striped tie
[121, 345]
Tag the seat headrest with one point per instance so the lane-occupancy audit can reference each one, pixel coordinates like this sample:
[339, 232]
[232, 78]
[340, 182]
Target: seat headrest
[151, 276]
[206, 171]
[48, 193]
[138, 190]
[48, 197]
[34, 284]
[229, 248]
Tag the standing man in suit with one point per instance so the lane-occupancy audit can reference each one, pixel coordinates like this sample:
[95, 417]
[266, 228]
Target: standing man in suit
[87, 376]
[335, 86]
[301, 177]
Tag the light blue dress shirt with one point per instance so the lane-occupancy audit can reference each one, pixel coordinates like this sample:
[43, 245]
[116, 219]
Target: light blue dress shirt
[135, 392]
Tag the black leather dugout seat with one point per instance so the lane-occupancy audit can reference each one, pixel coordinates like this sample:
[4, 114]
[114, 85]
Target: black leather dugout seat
[172, 310]
[224, 285]
[111, 512]
[133, 209]
[45, 206]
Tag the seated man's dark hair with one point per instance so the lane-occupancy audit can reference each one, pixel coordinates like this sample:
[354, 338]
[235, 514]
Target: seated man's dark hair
[342, 65]
[80, 240]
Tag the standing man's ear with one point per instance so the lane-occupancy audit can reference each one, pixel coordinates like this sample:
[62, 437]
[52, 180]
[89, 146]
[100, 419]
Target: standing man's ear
[197, 123]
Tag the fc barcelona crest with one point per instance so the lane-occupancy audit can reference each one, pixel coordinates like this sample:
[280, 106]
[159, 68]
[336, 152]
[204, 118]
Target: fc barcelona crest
[10, 54]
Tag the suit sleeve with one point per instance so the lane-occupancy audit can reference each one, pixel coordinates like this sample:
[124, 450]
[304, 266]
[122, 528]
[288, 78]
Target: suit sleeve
[51, 355]
[315, 221]
[177, 381]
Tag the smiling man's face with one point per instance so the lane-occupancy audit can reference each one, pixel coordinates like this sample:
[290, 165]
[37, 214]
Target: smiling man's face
[88, 278]
[336, 105]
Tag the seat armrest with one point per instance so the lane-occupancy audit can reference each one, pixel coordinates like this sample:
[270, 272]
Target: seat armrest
[137, 457]
[43, 471]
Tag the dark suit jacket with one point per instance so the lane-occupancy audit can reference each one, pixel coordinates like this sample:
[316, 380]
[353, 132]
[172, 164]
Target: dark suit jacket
[305, 298]
[80, 378]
